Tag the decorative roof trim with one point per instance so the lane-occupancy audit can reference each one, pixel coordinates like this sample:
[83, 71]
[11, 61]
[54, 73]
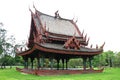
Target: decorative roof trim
[59, 51]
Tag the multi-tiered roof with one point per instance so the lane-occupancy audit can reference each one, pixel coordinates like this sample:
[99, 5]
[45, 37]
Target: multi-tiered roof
[57, 35]
[57, 38]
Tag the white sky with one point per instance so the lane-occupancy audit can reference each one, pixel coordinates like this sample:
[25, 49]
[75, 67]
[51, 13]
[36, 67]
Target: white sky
[100, 19]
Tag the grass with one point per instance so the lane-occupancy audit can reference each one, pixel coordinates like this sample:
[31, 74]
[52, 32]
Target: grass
[108, 74]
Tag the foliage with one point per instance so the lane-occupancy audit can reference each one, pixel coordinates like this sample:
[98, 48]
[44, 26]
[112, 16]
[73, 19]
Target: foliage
[2, 37]
[104, 59]
[116, 60]
[18, 60]
[8, 56]
[73, 63]
[108, 58]
[6, 48]
[108, 74]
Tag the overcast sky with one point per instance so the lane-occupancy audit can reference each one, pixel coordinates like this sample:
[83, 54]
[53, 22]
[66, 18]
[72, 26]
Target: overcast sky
[100, 19]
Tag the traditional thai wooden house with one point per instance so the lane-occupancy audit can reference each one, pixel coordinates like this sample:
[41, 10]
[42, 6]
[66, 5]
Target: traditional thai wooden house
[54, 37]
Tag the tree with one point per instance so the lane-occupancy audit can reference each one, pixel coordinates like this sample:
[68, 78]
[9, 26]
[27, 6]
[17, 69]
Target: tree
[117, 60]
[104, 59]
[6, 47]
[75, 63]
[110, 57]
[2, 37]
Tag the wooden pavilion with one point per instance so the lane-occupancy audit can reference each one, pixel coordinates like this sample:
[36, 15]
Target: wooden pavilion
[54, 37]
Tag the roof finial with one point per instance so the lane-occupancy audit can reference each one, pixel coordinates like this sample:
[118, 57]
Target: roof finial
[96, 46]
[82, 33]
[57, 14]
[30, 9]
[102, 45]
[88, 40]
[85, 37]
[76, 20]
[34, 6]
[91, 46]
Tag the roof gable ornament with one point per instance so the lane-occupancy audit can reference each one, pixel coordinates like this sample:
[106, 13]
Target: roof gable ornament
[72, 43]
[102, 45]
[96, 46]
[34, 7]
[82, 33]
[57, 14]
[88, 40]
[76, 20]
[91, 46]
[85, 37]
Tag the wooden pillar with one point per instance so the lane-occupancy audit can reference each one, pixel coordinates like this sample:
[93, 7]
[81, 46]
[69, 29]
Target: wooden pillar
[90, 65]
[84, 63]
[51, 63]
[63, 63]
[58, 61]
[67, 63]
[38, 61]
[32, 62]
[90, 62]
[42, 62]
[25, 62]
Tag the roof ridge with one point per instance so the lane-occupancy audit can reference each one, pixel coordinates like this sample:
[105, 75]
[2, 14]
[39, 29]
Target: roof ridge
[41, 13]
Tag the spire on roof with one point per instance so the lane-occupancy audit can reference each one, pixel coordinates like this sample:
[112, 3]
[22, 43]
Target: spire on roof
[102, 45]
[88, 40]
[85, 37]
[96, 46]
[34, 7]
[91, 46]
[82, 33]
[30, 9]
[76, 20]
[57, 14]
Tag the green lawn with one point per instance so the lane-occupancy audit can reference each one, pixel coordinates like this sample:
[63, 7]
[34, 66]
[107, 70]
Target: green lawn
[108, 74]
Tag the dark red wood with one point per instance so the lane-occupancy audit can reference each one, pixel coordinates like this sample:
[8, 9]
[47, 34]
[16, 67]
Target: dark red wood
[58, 72]
[56, 45]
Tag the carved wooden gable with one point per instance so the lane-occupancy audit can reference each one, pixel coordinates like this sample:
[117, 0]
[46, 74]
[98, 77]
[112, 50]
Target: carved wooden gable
[72, 43]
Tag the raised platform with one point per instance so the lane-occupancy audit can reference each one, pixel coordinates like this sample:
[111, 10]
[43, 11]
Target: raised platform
[58, 72]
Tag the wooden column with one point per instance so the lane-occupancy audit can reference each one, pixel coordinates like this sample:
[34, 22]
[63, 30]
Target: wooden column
[38, 61]
[25, 62]
[58, 61]
[51, 63]
[42, 62]
[90, 62]
[32, 62]
[67, 63]
[84, 63]
[63, 63]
